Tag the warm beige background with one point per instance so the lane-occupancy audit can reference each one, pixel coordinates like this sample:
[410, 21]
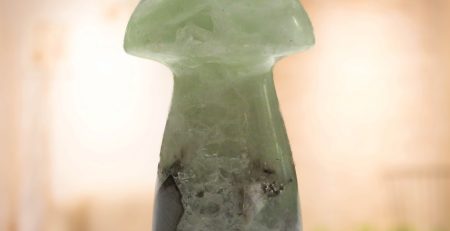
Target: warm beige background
[367, 112]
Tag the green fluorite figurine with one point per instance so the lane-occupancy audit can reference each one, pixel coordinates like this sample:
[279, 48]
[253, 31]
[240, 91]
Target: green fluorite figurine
[226, 164]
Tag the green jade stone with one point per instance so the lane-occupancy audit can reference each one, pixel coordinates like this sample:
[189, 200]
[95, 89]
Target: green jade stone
[225, 163]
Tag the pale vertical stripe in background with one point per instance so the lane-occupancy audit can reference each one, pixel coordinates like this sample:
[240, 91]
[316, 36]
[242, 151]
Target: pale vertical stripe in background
[9, 178]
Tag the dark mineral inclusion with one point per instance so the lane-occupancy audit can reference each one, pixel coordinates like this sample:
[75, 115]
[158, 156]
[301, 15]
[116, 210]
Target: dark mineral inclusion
[226, 164]
[169, 207]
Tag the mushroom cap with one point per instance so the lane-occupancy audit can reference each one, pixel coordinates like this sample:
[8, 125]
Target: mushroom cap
[217, 31]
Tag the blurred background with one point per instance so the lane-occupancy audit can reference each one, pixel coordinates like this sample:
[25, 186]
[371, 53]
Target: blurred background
[367, 112]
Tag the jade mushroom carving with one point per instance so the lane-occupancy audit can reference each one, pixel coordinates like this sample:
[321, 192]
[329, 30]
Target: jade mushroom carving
[225, 162]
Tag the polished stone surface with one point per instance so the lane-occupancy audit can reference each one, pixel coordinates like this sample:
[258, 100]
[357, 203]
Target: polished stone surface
[221, 31]
[225, 161]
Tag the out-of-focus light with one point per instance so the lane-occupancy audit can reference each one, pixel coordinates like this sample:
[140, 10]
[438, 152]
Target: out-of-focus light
[109, 113]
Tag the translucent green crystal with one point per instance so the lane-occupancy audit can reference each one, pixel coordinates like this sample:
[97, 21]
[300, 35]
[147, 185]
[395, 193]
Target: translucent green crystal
[225, 161]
